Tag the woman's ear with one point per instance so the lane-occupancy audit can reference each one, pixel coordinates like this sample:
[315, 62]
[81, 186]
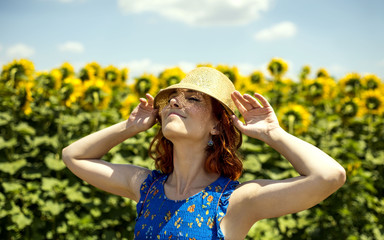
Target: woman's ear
[215, 131]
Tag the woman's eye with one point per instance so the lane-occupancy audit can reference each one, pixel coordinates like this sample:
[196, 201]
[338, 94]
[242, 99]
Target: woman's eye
[194, 99]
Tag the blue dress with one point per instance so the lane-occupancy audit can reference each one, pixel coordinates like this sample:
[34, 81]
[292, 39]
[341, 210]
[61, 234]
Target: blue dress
[195, 218]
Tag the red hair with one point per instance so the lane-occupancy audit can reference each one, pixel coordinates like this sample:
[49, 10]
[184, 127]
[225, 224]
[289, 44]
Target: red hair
[222, 156]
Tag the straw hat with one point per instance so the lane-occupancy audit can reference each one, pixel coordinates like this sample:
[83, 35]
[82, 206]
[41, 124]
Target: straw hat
[206, 80]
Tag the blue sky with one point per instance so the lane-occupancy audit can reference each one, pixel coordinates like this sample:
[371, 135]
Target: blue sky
[150, 35]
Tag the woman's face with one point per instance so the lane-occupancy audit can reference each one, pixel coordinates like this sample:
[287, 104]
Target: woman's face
[188, 115]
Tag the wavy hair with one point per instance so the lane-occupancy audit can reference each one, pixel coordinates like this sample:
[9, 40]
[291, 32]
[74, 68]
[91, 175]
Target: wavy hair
[222, 157]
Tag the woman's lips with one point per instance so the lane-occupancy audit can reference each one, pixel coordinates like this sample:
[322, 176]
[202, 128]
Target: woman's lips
[176, 114]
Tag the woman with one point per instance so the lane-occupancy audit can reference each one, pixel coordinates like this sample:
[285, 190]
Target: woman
[196, 195]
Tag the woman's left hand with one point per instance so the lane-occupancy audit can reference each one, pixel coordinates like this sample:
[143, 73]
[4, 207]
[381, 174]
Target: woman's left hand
[259, 117]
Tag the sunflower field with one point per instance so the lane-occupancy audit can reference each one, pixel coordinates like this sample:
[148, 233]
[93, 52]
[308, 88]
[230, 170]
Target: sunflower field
[42, 112]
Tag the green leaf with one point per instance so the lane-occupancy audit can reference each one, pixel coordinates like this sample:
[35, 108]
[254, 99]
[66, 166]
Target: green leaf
[5, 118]
[12, 186]
[21, 220]
[53, 162]
[74, 194]
[53, 207]
[24, 129]
[7, 143]
[12, 167]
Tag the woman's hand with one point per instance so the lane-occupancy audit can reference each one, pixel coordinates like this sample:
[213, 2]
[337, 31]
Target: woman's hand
[144, 115]
[259, 119]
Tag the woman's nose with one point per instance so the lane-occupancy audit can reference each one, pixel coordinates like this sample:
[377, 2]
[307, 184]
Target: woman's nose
[174, 102]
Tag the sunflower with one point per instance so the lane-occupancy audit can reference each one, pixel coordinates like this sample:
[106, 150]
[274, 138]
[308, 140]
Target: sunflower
[128, 105]
[146, 83]
[112, 76]
[277, 67]
[16, 71]
[348, 107]
[322, 73]
[371, 82]
[295, 118]
[372, 102]
[305, 71]
[90, 71]
[124, 74]
[205, 65]
[231, 72]
[66, 70]
[97, 94]
[351, 84]
[257, 77]
[170, 76]
[45, 82]
[71, 90]
[320, 89]
[24, 92]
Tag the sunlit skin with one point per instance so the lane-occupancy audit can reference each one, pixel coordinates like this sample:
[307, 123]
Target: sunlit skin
[187, 116]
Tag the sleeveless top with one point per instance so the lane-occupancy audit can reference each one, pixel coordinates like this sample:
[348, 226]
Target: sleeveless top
[195, 218]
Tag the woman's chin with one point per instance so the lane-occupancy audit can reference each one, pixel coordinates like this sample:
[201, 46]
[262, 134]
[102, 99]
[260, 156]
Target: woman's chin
[172, 133]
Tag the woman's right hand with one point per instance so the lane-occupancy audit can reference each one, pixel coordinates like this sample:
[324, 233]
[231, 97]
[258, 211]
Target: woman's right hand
[144, 115]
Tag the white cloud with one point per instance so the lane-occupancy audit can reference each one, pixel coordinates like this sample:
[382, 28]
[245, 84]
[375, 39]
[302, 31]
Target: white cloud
[200, 12]
[73, 47]
[281, 30]
[20, 50]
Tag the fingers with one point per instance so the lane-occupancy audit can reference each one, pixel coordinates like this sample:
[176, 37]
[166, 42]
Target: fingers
[246, 102]
[263, 100]
[236, 96]
[252, 101]
[238, 124]
[148, 102]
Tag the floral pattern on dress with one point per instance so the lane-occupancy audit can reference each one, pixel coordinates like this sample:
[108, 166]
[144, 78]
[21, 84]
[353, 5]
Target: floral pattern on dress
[197, 217]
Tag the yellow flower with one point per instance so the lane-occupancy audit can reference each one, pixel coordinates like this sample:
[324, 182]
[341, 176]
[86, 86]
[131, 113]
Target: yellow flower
[113, 76]
[204, 65]
[66, 70]
[350, 84]
[146, 83]
[277, 67]
[322, 73]
[90, 71]
[231, 72]
[257, 77]
[170, 76]
[124, 74]
[97, 94]
[372, 102]
[17, 71]
[98, 71]
[320, 89]
[348, 107]
[305, 71]
[24, 91]
[72, 90]
[46, 82]
[128, 105]
[295, 118]
[371, 81]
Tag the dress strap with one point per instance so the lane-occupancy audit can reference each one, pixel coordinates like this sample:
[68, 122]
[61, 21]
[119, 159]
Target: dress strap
[218, 202]
[149, 189]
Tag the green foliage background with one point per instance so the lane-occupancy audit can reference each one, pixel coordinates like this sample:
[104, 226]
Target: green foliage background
[40, 113]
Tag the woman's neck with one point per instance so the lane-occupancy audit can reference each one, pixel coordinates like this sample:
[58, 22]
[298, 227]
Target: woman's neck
[189, 175]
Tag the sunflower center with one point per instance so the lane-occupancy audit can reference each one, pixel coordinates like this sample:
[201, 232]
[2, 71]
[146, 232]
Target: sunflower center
[372, 103]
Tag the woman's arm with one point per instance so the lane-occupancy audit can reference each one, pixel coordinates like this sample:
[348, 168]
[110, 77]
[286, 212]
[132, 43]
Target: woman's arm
[320, 175]
[83, 157]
